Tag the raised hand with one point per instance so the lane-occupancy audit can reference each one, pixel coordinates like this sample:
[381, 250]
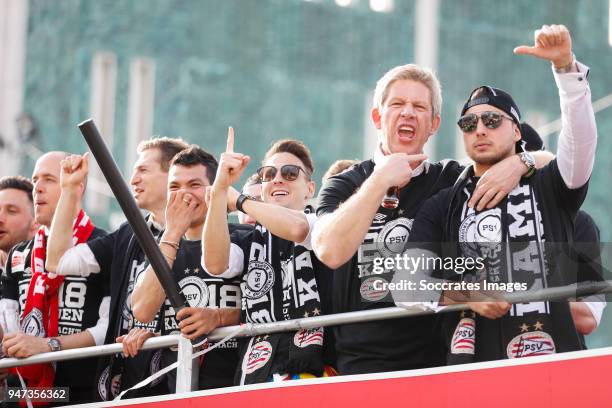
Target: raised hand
[181, 209]
[231, 165]
[74, 170]
[552, 43]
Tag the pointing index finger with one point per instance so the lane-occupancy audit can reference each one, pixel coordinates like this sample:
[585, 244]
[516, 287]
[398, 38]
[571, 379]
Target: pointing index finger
[230, 140]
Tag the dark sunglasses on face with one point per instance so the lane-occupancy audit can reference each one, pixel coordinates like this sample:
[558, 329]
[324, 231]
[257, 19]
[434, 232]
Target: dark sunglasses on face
[289, 172]
[492, 120]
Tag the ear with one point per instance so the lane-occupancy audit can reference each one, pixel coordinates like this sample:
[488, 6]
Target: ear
[435, 124]
[311, 187]
[517, 133]
[375, 114]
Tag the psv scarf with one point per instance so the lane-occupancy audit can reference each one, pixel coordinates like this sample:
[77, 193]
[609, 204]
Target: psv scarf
[279, 284]
[41, 311]
[510, 239]
[113, 377]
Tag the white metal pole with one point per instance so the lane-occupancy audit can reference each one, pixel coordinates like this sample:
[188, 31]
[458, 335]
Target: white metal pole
[185, 371]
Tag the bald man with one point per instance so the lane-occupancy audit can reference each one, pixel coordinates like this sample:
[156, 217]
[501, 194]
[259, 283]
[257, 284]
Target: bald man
[56, 312]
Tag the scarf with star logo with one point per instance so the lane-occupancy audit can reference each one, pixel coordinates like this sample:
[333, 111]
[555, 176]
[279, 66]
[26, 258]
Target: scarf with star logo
[279, 284]
[511, 240]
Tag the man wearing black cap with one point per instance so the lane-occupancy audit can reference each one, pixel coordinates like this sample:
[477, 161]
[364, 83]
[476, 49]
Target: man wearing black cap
[509, 238]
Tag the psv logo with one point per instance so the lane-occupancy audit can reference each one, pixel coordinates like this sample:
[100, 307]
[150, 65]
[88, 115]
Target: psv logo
[370, 293]
[393, 238]
[259, 279]
[306, 337]
[33, 324]
[195, 291]
[259, 355]
[536, 343]
[478, 233]
[464, 338]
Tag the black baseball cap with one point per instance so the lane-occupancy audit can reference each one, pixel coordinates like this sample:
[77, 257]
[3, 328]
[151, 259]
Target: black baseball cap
[530, 139]
[487, 95]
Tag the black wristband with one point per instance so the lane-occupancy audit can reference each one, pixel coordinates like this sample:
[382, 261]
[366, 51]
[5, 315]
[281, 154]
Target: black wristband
[241, 199]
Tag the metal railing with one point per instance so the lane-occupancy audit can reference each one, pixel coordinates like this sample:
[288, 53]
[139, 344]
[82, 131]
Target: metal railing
[186, 377]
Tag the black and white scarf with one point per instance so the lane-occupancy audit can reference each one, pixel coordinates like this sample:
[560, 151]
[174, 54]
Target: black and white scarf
[112, 376]
[510, 238]
[279, 284]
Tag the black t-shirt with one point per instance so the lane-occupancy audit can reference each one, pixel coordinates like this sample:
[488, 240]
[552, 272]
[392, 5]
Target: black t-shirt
[544, 216]
[202, 290]
[119, 253]
[79, 307]
[122, 261]
[386, 345]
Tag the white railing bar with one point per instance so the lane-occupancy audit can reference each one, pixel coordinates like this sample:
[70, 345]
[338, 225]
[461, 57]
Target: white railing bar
[84, 352]
[554, 293]
[248, 330]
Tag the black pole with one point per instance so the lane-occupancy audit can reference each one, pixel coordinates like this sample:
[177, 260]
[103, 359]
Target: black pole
[132, 213]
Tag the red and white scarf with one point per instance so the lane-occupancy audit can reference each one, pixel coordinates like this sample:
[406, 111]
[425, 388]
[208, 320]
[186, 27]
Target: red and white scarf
[41, 312]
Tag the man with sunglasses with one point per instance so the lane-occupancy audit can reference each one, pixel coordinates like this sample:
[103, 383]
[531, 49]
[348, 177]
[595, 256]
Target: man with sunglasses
[524, 239]
[280, 274]
[354, 230]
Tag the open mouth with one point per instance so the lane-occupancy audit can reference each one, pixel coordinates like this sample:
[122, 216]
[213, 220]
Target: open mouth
[406, 132]
[280, 193]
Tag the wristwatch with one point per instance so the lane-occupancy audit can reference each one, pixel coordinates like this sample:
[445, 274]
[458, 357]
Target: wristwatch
[241, 199]
[529, 161]
[54, 344]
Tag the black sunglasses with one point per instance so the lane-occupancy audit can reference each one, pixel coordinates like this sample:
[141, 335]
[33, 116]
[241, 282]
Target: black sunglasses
[492, 120]
[289, 172]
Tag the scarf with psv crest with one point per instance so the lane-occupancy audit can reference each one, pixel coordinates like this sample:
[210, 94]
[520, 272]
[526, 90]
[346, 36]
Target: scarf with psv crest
[510, 239]
[279, 285]
[41, 311]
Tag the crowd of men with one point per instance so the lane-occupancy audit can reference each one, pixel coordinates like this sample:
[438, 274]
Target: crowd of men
[69, 284]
